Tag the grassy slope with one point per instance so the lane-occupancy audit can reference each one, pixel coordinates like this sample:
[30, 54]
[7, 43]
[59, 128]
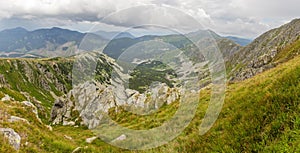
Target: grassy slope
[40, 139]
[14, 73]
[259, 114]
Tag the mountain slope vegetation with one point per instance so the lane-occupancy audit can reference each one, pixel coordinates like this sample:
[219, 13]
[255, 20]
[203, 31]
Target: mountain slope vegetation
[260, 112]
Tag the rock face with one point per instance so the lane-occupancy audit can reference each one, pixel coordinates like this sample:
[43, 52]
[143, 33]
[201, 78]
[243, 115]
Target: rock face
[13, 137]
[91, 99]
[265, 51]
[59, 110]
[88, 100]
[51, 78]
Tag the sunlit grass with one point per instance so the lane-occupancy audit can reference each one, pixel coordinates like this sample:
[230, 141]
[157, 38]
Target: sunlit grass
[260, 114]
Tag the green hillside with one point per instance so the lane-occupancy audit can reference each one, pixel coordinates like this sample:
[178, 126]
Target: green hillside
[259, 114]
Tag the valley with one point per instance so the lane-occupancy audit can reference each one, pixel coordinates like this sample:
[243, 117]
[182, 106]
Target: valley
[44, 100]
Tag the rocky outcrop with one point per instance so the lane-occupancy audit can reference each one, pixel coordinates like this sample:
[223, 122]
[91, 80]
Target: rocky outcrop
[255, 67]
[13, 137]
[92, 98]
[51, 77]
[265, 51]
[59, 111]
[89, 100]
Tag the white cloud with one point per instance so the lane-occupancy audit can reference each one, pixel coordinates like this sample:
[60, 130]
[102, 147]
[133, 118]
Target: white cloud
[231, 17]
[154, 15]
[52, 8]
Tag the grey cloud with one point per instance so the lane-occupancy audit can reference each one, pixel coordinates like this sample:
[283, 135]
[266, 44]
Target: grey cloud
[153, 15]
[237, 17]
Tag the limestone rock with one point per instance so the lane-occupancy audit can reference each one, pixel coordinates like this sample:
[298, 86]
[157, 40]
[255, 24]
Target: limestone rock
[68, 137]
[77, 149]
[17, 119]
[49, 127]
[70, 123]
[58, 111]
[90, 140]
[34, 109]
[13, 137]
[89, 101]
[120, 138]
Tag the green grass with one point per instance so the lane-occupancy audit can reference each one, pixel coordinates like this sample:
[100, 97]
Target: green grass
[4, 146]
[137, 122]
[288, 52]
[260, 114]
[24, 75]
[41, 140]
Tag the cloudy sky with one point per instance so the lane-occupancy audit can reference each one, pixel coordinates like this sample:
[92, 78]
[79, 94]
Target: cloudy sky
[245, 18]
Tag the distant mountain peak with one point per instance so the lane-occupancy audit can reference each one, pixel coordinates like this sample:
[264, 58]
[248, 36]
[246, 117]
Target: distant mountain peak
[17, 29]
[114, 34]
[240, 41]
[56, 28]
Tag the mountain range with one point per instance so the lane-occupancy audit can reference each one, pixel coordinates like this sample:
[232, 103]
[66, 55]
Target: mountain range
[19, 42]
[44, 105]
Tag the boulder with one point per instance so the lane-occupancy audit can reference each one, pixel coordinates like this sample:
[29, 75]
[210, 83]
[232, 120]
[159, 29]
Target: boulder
[90, 140]
[13, 137]
[120, 138]
[68, 137]
[34, 109]
[70, 123]
[49, 127]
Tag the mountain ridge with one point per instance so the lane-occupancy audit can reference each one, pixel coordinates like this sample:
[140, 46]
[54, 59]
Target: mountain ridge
[260, 113]
[262, 53]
